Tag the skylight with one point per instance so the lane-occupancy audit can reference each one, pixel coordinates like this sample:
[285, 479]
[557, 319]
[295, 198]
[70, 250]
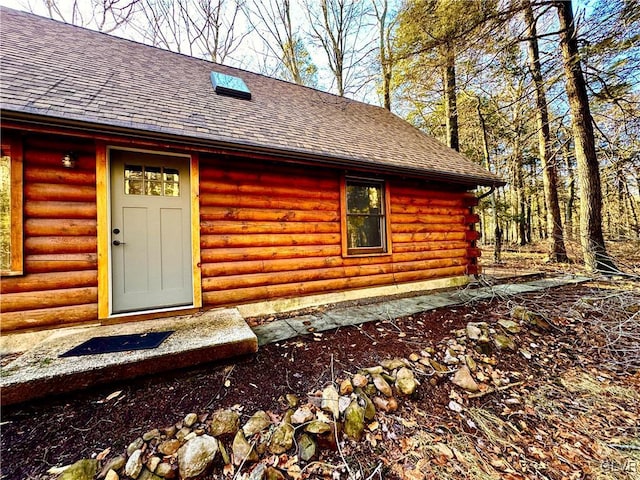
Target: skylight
[230, 86]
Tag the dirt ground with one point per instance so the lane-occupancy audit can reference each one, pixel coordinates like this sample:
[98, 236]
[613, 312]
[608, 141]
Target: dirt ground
[569, 409]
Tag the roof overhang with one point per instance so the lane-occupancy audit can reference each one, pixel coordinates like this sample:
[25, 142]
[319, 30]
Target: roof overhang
[39, 122]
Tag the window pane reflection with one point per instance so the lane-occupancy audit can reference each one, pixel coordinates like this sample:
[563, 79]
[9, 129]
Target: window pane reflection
[151, 180]
[365, 216]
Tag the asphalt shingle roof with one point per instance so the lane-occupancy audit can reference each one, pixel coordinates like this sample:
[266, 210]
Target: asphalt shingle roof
[52, 69]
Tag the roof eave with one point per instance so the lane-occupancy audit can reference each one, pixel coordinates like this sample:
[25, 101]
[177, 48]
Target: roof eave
[292, 155]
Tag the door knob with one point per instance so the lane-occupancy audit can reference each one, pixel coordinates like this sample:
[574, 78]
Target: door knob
[117, 242]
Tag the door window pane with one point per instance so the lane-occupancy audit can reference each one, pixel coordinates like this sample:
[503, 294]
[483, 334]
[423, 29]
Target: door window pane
[151, 180]
[171, 182]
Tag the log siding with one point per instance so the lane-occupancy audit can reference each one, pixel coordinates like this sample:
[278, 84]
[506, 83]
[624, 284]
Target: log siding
[272, 232]
[267, 231]
[60, 282]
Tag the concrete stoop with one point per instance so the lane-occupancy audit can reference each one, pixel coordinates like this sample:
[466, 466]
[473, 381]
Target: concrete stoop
[203, 337]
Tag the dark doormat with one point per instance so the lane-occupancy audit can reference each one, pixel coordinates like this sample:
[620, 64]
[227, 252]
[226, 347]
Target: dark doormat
[118, 343]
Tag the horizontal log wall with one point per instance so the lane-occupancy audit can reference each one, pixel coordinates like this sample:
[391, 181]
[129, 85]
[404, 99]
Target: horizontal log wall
[267, 232]
[60, 283]
[272, 232]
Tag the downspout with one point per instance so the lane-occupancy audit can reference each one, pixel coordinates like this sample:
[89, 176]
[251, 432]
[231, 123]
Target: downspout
[486, 194]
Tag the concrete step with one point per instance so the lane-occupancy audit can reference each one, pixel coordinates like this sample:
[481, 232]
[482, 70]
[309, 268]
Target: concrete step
[40, 371]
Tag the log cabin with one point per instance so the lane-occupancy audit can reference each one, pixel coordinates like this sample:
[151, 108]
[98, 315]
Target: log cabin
[138, 182]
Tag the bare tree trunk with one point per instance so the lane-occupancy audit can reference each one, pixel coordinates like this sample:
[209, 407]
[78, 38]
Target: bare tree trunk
[385, 54]
[521, 200]
[497, 238]
[450, 101]
[571, 190]
[540, 216]
[337, 25]
[632, 209]
[623, 219]
[591, 236]
[558, 252]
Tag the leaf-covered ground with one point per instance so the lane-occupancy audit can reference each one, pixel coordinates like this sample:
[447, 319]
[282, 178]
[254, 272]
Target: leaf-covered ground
[562, 403]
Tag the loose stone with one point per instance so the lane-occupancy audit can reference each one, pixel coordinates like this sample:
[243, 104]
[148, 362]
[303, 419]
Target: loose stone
[473, 331]
[306, 447]
[369, 407]
[330, 401]
[504, 341]
[343, 403]
[382, 385]
[346, 387]
[152, 463]
[463, 379]
[292, 400]
[81, 470]
[405, 381]
[393, 363]
[183, 432]
[116, 463]
[438, 367]
[526, 353]
[147, 475]
[224, 422]
[258, 422]
[242, 450]
[471, 363]
[281, 439]
[450, 357]
[385, 404]
[509, 325]
[354, 421]
[134, 464]
[302, 415]
[135, 445]
[274, 474]
[164, 470]
[359, 381]
[377, 370]
[223, 453]
[381, 404]
[318, 427]
[196, 455]
[155, 433]
[190, 419]
[111, 475]
[169, 447]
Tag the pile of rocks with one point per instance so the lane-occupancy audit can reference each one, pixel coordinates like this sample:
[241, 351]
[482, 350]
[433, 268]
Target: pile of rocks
[469, 359]
[345, 408]
[198, 442]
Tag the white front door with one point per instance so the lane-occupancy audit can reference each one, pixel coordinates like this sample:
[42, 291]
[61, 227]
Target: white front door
[151, 261]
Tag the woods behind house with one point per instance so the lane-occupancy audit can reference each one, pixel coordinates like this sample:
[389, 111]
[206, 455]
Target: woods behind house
[543, 93]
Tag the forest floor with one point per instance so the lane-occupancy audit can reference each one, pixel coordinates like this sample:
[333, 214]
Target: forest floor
[561, 402]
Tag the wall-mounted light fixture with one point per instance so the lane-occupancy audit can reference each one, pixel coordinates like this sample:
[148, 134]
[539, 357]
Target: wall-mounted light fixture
[69, 160]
